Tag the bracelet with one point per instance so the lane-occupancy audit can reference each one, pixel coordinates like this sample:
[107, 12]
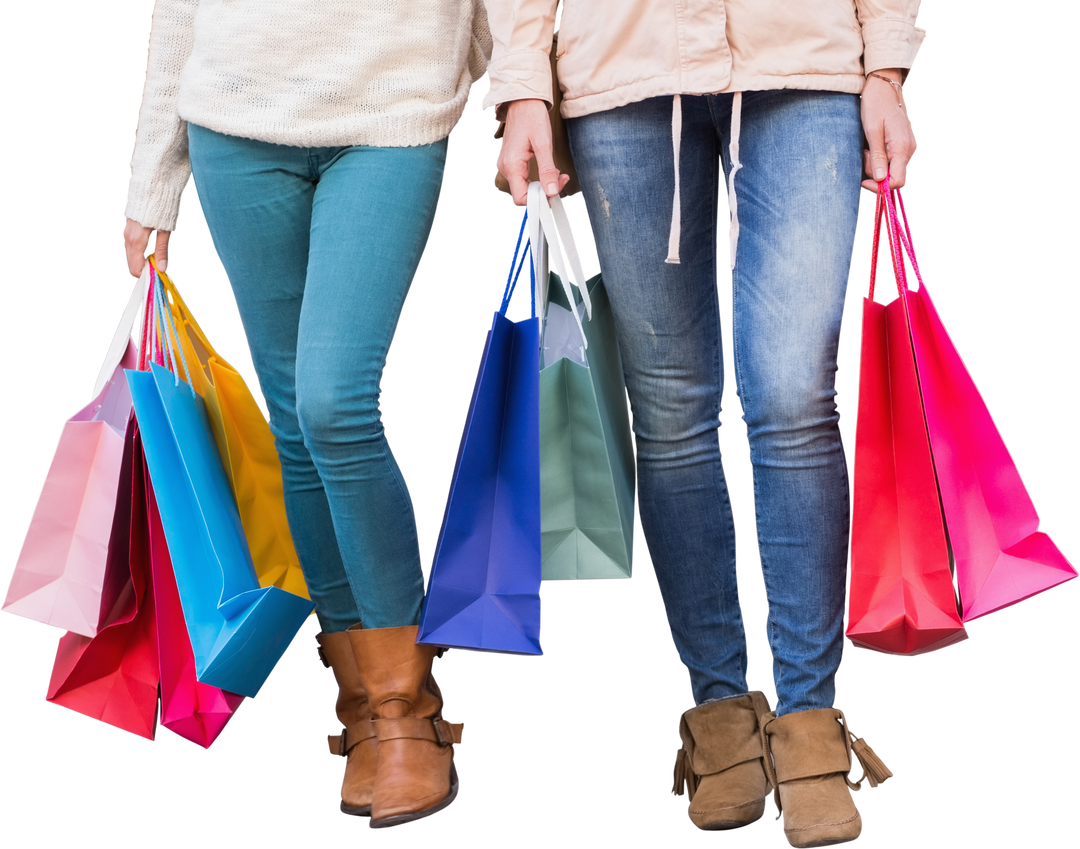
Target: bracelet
[898, 86]
[891, 82]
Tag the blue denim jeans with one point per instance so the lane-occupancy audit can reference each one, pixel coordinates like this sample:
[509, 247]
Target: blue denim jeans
[321, 245]
[798, 196]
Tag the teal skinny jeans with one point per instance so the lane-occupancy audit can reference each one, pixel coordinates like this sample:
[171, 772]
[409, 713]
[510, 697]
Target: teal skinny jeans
[320, 246]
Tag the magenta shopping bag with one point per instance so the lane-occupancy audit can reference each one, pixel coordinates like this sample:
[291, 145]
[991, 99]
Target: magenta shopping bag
[1001, 556]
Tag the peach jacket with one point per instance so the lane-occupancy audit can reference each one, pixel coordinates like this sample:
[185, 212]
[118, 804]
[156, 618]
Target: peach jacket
[614, 52]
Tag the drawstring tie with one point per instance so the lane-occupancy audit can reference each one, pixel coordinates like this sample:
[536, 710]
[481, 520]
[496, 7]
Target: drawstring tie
[733, 152]
[676, 209]
[676, 206]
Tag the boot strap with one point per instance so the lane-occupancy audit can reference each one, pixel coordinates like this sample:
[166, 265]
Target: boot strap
[437, 731]
[321, 656]
[350, 737]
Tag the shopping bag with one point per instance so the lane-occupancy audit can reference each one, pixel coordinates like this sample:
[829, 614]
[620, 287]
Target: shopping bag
[901, 599]
[586, 451]
[247, 449]
[197, 712]
[484, 587]
[59, 575]
[238, 630]
[1000, 555]
[113, 676]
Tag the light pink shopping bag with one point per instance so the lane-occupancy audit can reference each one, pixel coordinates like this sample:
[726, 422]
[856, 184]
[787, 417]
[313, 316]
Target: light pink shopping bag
[60, 572]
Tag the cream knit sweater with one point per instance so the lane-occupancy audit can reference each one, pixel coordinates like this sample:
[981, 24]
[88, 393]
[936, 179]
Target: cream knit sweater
[310, 73]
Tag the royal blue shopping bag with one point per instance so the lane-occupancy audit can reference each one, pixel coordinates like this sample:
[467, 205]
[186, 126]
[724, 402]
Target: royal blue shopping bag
[484, 588]
[238, 629]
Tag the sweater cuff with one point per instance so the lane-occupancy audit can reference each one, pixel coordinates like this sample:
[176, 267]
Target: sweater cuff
[154, 206]
[525, 75]
[890, 44]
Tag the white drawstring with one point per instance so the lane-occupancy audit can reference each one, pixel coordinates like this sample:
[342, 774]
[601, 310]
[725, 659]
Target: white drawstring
[733, 201]
[733, 149]
[676, 211]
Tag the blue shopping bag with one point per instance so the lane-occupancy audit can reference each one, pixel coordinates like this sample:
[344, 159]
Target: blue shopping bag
[484, 588]
[238, 629]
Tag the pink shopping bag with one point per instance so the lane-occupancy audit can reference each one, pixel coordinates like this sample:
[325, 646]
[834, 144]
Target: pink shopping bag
[1001, 556]
[60, 572]
[197, 712]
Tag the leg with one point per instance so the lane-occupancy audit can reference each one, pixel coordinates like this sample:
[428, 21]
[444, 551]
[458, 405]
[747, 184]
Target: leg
[372, 212]
[669, 336]
[798, 196]
[272, 213]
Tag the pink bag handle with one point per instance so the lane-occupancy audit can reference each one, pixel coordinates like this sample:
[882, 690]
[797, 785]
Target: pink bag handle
[900, 215]
[894, 244]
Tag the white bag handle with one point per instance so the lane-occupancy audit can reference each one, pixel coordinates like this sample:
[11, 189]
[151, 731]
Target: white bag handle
[566, 239]
[123, 331]
[539, 250]
[544, 235]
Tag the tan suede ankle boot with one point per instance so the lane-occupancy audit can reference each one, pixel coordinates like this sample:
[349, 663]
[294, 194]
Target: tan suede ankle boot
[810, 761]
[415, 774]
[720, 762]
[357, 739]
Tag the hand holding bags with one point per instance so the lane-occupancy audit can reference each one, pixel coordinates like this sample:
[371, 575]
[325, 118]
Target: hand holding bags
[932, 475]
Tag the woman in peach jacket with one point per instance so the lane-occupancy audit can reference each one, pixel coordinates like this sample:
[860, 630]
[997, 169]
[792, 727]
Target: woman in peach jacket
[664, 99]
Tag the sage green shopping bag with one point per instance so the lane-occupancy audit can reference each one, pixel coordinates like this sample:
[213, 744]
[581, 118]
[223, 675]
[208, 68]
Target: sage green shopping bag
[588, 511]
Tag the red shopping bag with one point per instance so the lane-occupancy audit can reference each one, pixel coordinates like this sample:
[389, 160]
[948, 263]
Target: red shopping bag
[902, 599]
[113, 676]
[1001, 556]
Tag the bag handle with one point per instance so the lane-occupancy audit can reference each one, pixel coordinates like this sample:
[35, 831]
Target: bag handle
[516, 264]
[545, 224]
[566, 239]
[162, 339]
[554, 225]
[882, 213]
[904, 232]
[124, 329]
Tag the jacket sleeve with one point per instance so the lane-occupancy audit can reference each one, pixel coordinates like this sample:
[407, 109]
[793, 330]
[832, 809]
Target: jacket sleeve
[159, 165]
[520, 67]
[890, 37]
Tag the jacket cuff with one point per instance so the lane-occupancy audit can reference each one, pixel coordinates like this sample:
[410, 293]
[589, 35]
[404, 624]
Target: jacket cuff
[890, 44]
[524, 75]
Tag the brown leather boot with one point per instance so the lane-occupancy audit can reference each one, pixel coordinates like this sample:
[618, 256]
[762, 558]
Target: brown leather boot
[810, 761]
[720, 762]
[415, 774]
[357, 739]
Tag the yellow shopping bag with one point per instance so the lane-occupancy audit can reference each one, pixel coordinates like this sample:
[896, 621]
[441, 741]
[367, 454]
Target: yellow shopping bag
[247, 448]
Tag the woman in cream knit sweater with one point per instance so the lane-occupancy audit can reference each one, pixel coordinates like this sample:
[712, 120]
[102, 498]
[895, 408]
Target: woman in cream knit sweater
[316, 134]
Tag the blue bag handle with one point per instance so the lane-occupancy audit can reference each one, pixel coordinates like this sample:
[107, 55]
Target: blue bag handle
[520, 255]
